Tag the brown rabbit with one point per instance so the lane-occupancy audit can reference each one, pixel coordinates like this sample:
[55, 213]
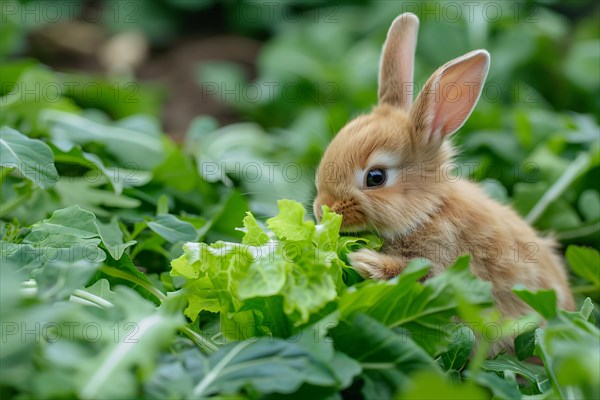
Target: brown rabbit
[387, 171]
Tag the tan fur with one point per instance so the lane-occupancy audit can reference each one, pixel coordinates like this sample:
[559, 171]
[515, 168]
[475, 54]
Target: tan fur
[427, 211]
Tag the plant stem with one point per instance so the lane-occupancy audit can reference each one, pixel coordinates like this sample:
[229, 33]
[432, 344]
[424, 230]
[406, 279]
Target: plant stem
[217, 369]
[137, 229]
[580, 231]
[92, 298]
[584, 289]
[117, 273]
[199, 340]
[577, 167]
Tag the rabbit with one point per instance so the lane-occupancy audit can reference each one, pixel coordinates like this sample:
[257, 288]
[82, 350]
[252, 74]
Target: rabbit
[387, 172]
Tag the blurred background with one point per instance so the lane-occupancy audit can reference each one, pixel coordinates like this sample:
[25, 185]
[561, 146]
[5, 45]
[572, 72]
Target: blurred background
[129, 127]
[252, 92]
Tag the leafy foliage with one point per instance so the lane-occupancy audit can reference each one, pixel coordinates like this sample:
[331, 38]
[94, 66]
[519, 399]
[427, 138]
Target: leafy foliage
[135, 266]
[271, 283]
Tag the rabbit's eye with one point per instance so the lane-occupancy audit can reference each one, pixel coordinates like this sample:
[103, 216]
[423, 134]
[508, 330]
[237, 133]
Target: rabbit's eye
[376, 177]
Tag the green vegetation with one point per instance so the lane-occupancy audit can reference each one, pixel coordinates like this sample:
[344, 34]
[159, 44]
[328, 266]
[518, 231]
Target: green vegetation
[134, 266]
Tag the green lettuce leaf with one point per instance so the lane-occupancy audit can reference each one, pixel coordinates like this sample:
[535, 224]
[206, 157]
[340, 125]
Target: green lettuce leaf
[273, 282]
[289, 224]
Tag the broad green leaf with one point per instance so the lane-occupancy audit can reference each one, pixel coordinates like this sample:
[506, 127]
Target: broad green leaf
[570, 349]
[102, 290]
[425, 309]
[582, 62]
[501, 388]
[72, 220]
[78, 228]
[308, 366]
[228, 217]
[502, 143]
[460, 347]
[431, 386]
[589, 205]
[124, 272]
[19, 352]
[135, 344]
[65, 247]
[88, 195]
[267, 365]
[543, 301]
[585, 262]
[118, 96]
[32, 157]
[339, 366]
[21, 259]
[533, 373]
[387, 358]
[254, 363]
[172, 228]
[174, 375]
[222, 74]
[69, 235]
[525, 344]
[176, 171]
[112, 237]
[117, 177]
[33, 91]
[558, 214]
[58, 280]
[132, 148]
[199, 127]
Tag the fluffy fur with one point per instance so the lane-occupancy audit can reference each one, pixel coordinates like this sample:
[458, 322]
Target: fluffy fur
[423, 210]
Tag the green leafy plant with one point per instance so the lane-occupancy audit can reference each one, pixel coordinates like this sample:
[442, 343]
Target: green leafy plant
[136, 266]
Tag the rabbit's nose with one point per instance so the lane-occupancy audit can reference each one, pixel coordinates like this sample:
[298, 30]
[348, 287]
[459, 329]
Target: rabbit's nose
[337, 207]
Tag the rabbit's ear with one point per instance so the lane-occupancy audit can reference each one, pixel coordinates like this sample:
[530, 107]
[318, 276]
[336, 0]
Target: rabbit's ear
[449, 96]
[397, 62]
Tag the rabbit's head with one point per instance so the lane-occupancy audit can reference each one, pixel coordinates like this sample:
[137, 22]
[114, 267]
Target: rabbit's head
[388, 171]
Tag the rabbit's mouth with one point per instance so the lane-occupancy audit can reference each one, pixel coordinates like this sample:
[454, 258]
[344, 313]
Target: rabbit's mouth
[352, 214]
[358, 229]
[355, 230]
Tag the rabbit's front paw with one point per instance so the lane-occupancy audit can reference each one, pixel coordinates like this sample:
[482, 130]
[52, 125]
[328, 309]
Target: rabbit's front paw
[373, 265]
